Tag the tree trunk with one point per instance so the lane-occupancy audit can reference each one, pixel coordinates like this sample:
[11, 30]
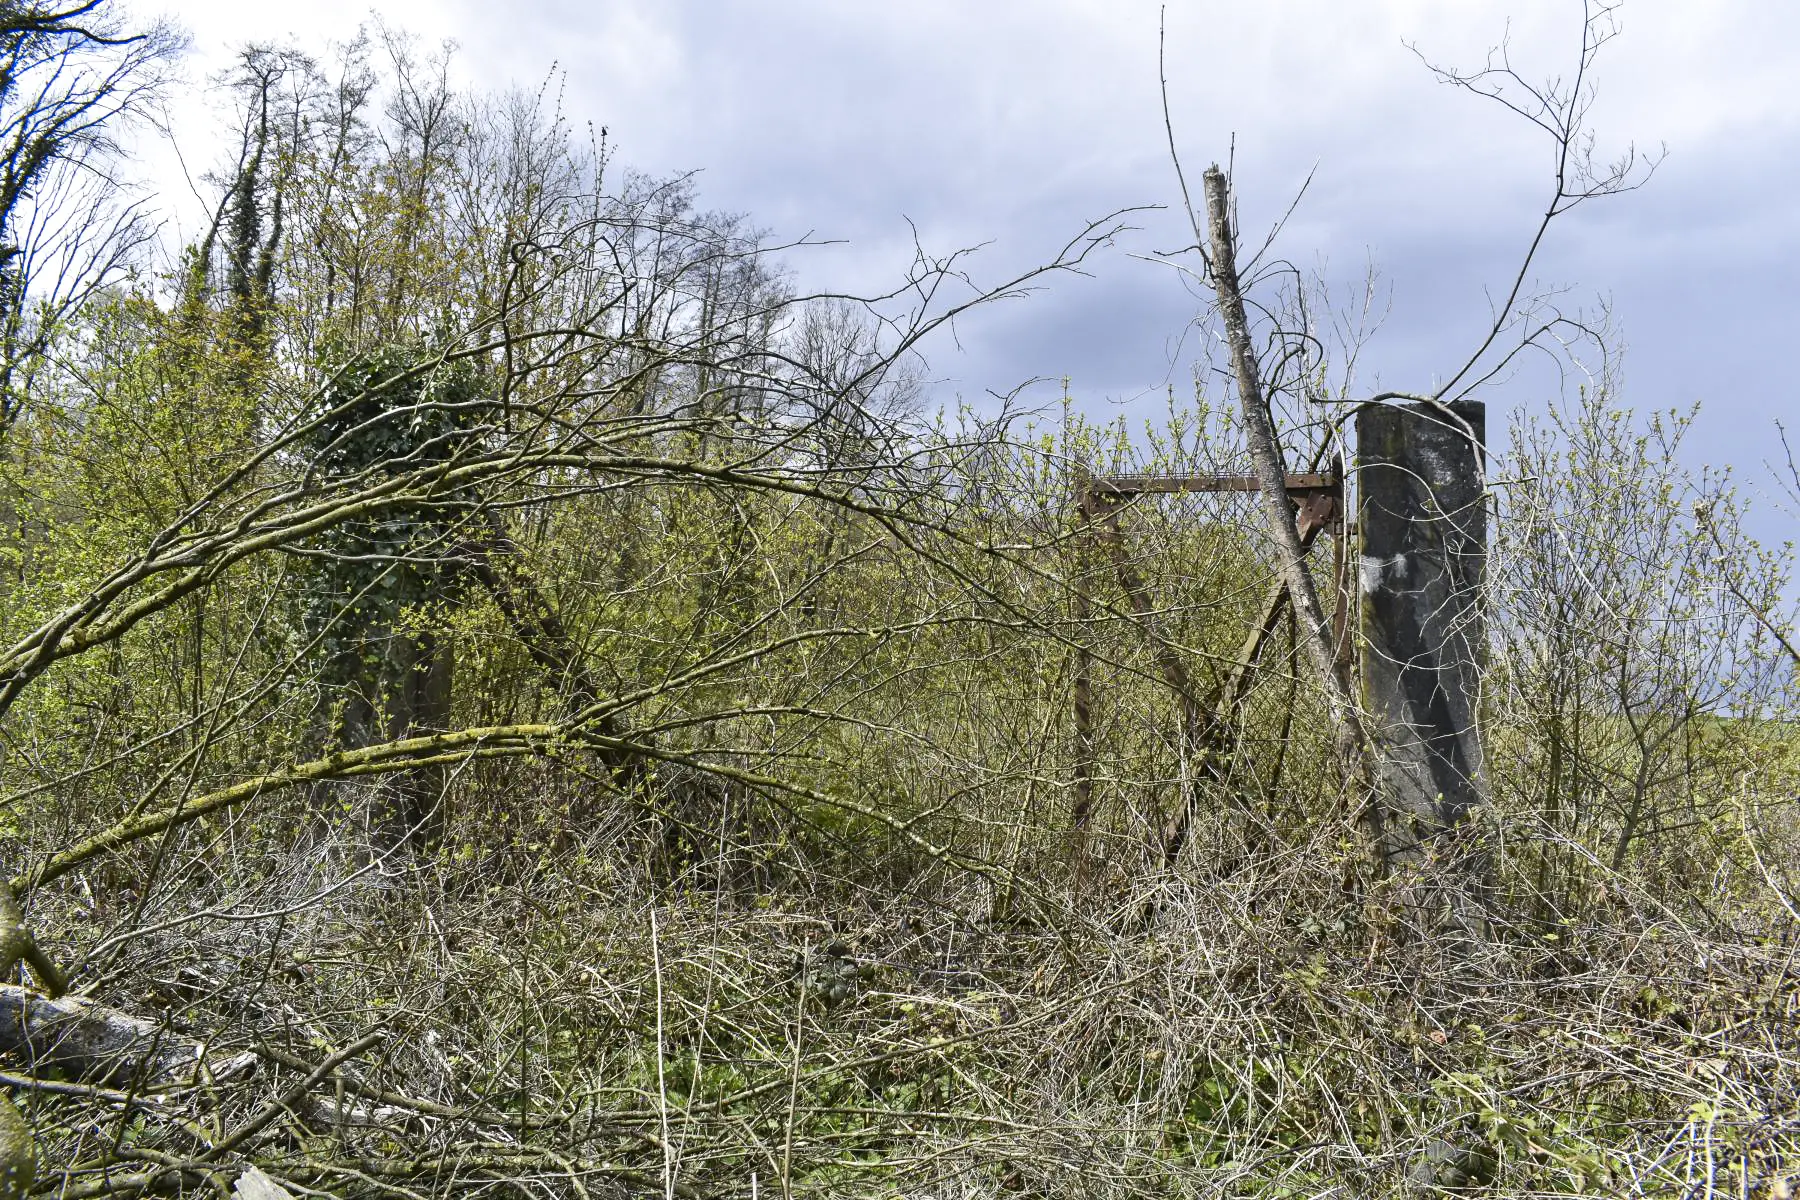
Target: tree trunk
[418, 702]
[86, 1040]
[18, 1153]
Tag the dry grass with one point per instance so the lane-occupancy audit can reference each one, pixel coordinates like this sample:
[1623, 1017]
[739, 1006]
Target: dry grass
[583, 1021]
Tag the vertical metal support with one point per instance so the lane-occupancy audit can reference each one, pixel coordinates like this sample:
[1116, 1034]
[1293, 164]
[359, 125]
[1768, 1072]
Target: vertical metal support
[1423, 529]
[1342, 530]
[1084, 663]
[1209, 725]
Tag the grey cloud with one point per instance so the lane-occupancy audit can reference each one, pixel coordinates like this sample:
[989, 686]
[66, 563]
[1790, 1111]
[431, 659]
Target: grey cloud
[1014, 122]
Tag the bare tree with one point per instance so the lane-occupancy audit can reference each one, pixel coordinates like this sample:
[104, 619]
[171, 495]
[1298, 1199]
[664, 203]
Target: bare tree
[69, 76]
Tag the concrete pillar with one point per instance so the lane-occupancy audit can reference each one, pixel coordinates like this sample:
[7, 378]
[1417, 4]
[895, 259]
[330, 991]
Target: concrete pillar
[1422, 519]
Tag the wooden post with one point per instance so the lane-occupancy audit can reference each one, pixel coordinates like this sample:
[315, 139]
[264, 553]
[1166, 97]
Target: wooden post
[1423, 526]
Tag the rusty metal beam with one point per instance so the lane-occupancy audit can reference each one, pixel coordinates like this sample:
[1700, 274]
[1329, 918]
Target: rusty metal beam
[1134, 485]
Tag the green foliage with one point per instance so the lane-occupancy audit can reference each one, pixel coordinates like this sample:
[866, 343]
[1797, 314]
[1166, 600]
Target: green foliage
[756, 855]
[389, 414]
[1632, 684]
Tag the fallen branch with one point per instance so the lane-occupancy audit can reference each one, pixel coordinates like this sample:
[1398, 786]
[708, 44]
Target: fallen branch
[89, 1041]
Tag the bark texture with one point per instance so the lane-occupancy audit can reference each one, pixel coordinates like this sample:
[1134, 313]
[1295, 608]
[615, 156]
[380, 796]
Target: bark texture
[87, 1040]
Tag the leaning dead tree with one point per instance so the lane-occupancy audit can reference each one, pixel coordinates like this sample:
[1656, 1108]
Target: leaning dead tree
[1271, 472]
[1406, 732]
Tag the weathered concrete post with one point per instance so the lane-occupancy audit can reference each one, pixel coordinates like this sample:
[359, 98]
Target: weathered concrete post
[1423, 525]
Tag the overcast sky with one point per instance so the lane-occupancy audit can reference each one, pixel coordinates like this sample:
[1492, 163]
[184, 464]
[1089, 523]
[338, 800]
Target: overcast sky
[1012, 122]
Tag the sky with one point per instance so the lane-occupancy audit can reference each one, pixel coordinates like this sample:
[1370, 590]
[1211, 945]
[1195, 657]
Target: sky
[1009, 124]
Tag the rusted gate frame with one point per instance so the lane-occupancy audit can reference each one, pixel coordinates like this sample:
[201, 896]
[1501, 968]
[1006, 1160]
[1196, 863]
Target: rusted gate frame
[1208, 727]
